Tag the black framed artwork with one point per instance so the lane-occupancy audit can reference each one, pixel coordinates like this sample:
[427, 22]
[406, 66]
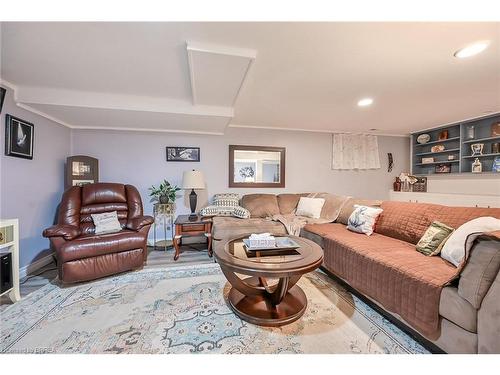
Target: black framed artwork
[19, 137]
[175, 153]
[2, 97]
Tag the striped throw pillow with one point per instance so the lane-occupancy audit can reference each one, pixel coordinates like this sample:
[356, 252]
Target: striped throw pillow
[226, 204]
[227, 200]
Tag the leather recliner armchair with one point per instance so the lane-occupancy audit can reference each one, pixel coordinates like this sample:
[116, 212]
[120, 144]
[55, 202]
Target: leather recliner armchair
[82, 255]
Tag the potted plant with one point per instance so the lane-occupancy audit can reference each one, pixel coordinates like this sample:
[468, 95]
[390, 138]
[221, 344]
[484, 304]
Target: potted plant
[164, 193]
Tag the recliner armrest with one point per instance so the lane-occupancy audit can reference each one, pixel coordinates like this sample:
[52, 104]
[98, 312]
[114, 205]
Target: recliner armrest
[68, 232]
[138, 222]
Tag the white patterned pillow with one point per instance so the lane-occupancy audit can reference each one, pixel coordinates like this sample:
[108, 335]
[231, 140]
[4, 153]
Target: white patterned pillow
[226, 205]
[363, 218]
[217, 211]
[106, 223]
[241, 212]
[227, 200]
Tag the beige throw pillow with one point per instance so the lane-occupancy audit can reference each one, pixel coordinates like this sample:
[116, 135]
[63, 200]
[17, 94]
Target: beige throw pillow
[434, 238]
[310, 207]
[106, 223]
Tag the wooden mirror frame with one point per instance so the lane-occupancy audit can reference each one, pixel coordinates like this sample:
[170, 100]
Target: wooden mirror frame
[281, 150]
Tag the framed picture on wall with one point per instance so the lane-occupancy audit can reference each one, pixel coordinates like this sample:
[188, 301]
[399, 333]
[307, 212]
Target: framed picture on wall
[175, 153]
[19, 137]
[2, 97]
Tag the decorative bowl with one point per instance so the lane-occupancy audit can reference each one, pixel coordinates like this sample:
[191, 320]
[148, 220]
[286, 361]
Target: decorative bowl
[437, 148]
[423, 138]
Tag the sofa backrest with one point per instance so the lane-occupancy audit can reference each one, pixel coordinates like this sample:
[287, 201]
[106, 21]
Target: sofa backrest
[261, 205]
[267, 205]
[408, 221]
[80, 202]
[288, 202]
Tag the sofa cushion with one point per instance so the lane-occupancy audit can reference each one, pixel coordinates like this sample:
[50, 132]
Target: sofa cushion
[480, 271]
[287, 203]
[95, 245]
[332, 207]
[409, 221]
[261, 205]
[348, 207]
[457, 310]
[224, 228]
[103, 193]
[390, 271]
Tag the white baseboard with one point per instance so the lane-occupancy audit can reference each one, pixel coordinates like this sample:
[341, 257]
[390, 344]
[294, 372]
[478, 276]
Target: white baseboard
[36, 265]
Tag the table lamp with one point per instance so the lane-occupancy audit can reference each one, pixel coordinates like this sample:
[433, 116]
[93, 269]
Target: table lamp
[193, 180]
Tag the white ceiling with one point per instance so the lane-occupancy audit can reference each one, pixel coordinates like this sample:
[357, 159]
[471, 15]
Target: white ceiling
[200, 77]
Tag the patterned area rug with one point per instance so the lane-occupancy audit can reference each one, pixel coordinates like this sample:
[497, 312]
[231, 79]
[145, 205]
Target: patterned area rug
[183, 310]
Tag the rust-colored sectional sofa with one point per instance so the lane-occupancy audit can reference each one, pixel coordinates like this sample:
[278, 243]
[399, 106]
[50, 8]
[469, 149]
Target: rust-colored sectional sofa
[458, 309]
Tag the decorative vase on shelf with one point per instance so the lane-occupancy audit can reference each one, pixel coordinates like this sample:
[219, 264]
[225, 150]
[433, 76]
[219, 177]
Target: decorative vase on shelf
[496, 164]
[469, 132]
[477, 166]
[477, 148]
[397, 184]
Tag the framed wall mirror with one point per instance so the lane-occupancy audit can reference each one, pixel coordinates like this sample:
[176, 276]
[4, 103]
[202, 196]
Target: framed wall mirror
[256, 166]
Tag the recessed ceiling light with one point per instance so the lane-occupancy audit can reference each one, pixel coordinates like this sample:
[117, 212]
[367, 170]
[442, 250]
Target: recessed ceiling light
[471, 50]
[365, 102]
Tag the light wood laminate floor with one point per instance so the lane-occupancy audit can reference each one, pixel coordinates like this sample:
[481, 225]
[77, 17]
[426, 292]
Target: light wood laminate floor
[190, 254]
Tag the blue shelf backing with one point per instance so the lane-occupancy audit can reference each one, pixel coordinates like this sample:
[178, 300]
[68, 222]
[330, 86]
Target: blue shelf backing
[456, 143]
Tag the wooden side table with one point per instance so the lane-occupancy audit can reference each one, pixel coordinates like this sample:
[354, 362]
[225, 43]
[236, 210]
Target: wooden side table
[186, 227]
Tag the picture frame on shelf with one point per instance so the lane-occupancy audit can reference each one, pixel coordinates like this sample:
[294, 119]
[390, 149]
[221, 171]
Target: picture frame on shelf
[443, 135]
[495, 129]
[443, 168]
[427, 160]
[81, 170]
[19, 137]
[187, 154]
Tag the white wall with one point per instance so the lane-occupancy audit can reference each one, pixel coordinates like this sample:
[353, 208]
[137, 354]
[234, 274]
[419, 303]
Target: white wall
[470, 184]
[139, 158]
[30, 190]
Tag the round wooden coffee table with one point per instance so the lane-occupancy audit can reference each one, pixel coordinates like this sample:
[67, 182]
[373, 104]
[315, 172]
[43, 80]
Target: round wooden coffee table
[254, 297]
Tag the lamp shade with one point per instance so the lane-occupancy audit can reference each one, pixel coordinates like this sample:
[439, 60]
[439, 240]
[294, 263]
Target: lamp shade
[193, 180]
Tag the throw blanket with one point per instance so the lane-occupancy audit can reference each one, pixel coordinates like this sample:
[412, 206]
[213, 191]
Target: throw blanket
[329, 213]
[293, 223]
[389, 271]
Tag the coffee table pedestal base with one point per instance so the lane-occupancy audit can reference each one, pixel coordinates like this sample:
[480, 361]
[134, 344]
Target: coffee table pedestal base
[260, 311]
